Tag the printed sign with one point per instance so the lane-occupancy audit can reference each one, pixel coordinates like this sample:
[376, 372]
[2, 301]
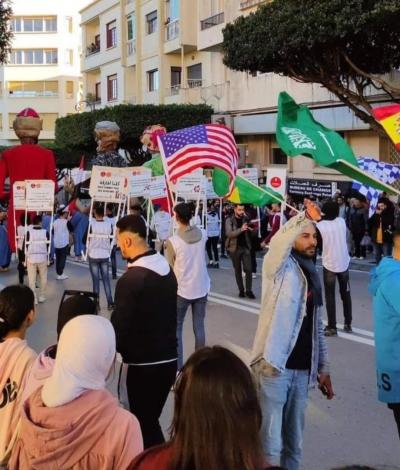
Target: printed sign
[276, 179]
[158, 187]
[139, 181]
[39, 195]
[211, 194]
[191, 187]
[19, 200]
[250, 174]
[303, 187]
[109, 184]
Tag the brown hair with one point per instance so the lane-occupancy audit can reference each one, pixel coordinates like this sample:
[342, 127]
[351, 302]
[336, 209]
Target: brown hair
[217, 416]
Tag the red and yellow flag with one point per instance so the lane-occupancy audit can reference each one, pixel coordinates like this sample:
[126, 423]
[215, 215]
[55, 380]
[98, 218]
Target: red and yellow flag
[389, 118]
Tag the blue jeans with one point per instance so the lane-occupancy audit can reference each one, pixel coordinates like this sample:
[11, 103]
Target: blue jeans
[198, 314]
[100, 267]
[382, 249]
[283, 400]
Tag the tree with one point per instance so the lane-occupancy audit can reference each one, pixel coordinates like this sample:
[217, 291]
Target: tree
[347, 46]
[5, 32]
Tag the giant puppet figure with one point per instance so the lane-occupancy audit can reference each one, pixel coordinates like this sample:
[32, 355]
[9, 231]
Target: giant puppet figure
[26, 161]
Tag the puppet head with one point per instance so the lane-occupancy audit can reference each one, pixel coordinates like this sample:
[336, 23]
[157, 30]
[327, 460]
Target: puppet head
[149, 137]
[27, 124]
[107, 135]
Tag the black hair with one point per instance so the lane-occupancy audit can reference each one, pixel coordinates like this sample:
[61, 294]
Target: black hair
[136, 207]
[22, 219]
[133, 224]
[72, 307]
[99, 209]
[183, 212]
[37, 219]
[330, 210]
[15, 304]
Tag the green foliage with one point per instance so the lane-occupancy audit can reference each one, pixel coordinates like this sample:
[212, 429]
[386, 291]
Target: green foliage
[76, 131]
[345, 45]
[5, 33]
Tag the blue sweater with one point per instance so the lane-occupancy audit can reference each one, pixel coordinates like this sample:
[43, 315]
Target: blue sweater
[385, 288]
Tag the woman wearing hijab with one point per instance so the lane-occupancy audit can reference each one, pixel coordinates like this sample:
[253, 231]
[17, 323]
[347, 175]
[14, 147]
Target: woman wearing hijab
[73, 422]
[17, 312]
[216, 421]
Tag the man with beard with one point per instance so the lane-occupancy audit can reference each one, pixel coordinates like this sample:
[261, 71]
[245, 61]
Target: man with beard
[289, 351]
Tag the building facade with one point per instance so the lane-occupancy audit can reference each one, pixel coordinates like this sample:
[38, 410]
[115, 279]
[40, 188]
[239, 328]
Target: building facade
[43, 71]
[169, 51]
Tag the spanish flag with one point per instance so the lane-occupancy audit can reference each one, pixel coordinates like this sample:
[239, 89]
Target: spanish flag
[389, 118]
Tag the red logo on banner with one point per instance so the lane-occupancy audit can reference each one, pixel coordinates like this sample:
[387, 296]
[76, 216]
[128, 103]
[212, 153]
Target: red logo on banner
[276, 182]
[103, 173]
[32, 185]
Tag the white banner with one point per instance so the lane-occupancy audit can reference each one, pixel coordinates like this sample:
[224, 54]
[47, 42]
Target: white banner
[211, 194]
[250, 174]
[39, 195]
[191, 187]
[276, 179]
[19, 200]
[108, 184]
[158, 187]
[139, 182]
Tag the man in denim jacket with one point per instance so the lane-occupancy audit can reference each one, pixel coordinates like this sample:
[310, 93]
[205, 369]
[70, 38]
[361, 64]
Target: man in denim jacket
[289, 351]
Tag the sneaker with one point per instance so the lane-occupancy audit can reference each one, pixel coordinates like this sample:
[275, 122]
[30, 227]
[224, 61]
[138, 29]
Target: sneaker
[241, 294]
[330, 331]
[36, 301]
[250, 294]
[210, 264]
[254, 276]
[361, 257]
[216, 265]
[348, 329]
[114, 276]
[111, 307]
[62, 277]
[224, 257]
[42, 299]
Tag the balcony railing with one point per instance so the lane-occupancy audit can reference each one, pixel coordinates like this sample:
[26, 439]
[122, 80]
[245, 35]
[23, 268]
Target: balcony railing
[212, 21]
[131, 47]
[250, 3]
[195, 82]
[172, 30]
[92, 49]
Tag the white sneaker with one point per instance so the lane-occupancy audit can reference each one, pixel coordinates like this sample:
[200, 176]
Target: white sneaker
[36, 302]
[254, 276]
[61, 277]
[42, 299]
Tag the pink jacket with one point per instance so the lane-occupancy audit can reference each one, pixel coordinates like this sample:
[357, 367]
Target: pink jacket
[41, 369]
[90, 433]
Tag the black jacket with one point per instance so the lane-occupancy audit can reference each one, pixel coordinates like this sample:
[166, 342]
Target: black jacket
[358, 220]
[387, 217]
[144, 317]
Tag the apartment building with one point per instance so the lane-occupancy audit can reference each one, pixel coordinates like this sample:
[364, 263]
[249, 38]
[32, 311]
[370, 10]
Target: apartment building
[43, 71]
[169, 51]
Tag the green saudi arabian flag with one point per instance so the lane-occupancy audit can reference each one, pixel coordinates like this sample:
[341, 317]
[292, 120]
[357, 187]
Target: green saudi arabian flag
[244, 191]
[298, 133]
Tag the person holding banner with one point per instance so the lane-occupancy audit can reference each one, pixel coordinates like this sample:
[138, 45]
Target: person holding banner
[161, 225]
[36, 242]
[99, 250]
[61, 229]
[21, 234]
[213, 232]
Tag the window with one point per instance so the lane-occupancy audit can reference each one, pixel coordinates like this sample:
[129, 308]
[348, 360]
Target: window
[176, 79]
[51, 56]
[34, 57]
[98, 91]
[69, 88]
[28, 57]
[131, 27]
[151, 22]
[36, 24]
[32, 89]
[194, 74]
[49, 121]
[69, 22]
[172, 10]
[16, 57]
[112, 88]
[69, 57]
[152, 80]
[111, 34]
[278, 157]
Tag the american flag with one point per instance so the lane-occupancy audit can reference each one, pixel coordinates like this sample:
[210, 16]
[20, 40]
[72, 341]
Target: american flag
[204, 146]
[385, 172]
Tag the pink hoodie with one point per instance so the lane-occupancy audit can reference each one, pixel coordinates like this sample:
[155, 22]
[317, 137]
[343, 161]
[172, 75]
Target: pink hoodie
[40, 371]
[90, 433]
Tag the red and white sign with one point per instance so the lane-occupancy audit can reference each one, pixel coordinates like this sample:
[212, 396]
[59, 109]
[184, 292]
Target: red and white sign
[250, 174]
[139, 179]
[19, 200]
[108, 184]
[276, 179]
[39, 195]
[158, 187]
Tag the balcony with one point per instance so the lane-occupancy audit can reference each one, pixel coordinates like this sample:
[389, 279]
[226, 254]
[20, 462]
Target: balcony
[92, 49]
[172, 43]
[214, 20]
[250, 3]
[131, 47]
[195, 83]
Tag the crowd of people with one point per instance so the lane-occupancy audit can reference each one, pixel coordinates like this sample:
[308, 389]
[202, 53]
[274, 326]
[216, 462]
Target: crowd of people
[55, 409]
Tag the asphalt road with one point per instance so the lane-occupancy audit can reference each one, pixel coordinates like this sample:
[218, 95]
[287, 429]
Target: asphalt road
[352, 429]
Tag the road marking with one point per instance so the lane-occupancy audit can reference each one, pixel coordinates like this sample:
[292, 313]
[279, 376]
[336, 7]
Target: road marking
[254, 308]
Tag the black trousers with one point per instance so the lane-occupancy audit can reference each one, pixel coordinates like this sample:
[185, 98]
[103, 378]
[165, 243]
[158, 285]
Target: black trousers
[113, 258]
[330, 297]
[148, 388]
[358, 249]
[212, 244]
[223, 240]
[395, 407]
[241, 259]
[21, 268]
[61, 258]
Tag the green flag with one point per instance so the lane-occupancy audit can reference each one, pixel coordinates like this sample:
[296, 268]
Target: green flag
[244, 191]
[298, 133]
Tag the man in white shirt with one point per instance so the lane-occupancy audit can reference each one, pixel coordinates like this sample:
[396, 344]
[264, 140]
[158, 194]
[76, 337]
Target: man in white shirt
[335, 262]
[61, 228]
[161, 225]
[213, 233]
[185, 252]
[36, 241]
